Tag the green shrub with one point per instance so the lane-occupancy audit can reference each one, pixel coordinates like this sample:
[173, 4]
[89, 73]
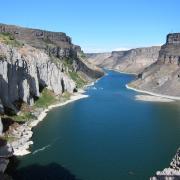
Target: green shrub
[78, 80]
[47, 98]
[2, 56]
[24, 116]
[9, 39]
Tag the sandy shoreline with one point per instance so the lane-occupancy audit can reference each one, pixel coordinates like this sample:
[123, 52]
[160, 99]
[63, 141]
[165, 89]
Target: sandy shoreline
[123, 72]
[22, 148]
[44, 113]
[155, 96]
[151, 98]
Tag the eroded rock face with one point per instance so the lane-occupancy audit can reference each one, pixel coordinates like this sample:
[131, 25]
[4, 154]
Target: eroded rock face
[41, 60]
[163, 77]
[131, 61]
[1, 127]
[23, 70]
[97, 58]
[171, 173]
[55, 44]
[1, 107]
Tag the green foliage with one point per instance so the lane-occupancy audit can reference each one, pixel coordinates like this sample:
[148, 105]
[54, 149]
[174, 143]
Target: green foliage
[47, 98]
[24, 116]
[9, 138]
[2, 56]
[65, 96]
[67, 64]
[82, 55]
[76, 77]
[9, 39]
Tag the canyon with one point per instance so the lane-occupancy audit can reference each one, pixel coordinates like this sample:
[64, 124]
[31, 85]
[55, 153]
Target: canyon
[34, 59]
[132, 61]
[162, 77]
[158, 74]
[35, 64]
[157, 68]
[38, 68]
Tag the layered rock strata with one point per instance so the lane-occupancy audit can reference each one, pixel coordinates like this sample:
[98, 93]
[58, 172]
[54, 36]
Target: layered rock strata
[37, 60]
[163, 77]
[23, 71]
[132, 61]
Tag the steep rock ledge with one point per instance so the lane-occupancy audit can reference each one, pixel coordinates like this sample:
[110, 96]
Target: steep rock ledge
[37, 69]
[32, 59]
[24, 70]
[56, 44]
[97, 58]
[163, 77]
[131, 61]
[171, 173]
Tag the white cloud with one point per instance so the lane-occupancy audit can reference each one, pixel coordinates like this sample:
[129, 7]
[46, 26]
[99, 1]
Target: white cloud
[92, 49]
[95, 50]
[121, 49]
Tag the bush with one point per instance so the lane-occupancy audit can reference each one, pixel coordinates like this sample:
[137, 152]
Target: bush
[24, 116]
[47, 98]
[9, 39]
[78, 80]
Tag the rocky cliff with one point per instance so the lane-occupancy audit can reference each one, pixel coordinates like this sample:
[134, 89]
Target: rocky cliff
[56, 43]
[97, 58]
[32, 59]
[131, 61]
[26, 70]
[163, 77]
[172, 172]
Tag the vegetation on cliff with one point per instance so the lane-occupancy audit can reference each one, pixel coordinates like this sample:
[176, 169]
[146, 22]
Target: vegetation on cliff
[46, 98]
[9, 39]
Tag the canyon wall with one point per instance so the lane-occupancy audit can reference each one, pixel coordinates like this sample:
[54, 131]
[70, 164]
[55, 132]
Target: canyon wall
[130, 61]
[163, 77]
[32, 59]
[97, 58]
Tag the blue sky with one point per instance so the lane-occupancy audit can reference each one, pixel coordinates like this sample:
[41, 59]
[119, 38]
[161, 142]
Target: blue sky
[98, 25]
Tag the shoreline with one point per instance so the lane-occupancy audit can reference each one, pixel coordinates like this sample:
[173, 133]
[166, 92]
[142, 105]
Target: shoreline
[150, 98]
[25, 131]
[170, 172]
[24, 150]
[123, 72]
[153, 94]
[74, 97]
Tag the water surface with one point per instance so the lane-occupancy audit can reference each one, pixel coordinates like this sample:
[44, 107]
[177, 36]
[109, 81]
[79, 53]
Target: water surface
[108, 136]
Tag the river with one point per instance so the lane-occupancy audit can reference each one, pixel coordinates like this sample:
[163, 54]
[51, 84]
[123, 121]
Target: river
[107, 136]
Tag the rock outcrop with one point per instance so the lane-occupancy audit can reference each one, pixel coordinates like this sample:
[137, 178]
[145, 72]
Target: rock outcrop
[131, 61]
[163, 77]
[171, 173]
[97, 58]
[55, 44]
[6, 151]
[33, 59]
[1, 127]
[30, 61]
[23, 71]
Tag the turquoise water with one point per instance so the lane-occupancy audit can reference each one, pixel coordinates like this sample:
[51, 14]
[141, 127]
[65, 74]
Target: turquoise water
[108, 136]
